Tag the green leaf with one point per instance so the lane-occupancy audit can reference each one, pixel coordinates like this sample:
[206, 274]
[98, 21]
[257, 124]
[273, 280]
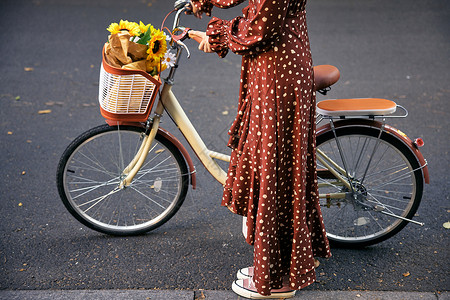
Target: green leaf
[145, 38]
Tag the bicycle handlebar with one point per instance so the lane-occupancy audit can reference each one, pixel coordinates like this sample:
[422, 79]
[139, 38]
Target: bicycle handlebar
[184, 6]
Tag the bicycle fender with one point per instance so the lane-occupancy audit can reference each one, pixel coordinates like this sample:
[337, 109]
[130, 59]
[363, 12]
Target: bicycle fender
[187, 157]
[402, 136]
[388, 129]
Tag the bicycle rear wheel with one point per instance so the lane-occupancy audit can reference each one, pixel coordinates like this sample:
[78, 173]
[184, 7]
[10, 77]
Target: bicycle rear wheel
[90, 171]
[386, 179]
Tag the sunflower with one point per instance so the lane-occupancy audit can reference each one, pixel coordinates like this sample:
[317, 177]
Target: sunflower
[131, 27]
[157, 47]
[143, 28]
[152, 65]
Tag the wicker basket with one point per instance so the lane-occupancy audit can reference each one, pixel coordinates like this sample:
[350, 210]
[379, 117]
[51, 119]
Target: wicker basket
[126, 95]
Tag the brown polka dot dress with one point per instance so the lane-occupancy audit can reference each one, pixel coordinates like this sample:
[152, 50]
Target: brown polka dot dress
[272, 178]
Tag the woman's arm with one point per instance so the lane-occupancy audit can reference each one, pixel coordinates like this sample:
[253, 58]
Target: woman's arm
[255, 31]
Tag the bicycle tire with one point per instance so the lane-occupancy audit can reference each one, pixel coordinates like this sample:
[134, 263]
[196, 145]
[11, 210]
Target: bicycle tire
[90, 170]
[393, 184]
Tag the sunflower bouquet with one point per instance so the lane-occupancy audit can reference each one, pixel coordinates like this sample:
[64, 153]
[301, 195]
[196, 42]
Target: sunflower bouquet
[138, 47]
[133, 58]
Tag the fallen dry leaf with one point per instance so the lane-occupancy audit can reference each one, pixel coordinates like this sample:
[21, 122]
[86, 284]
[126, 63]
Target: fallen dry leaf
[9, 132]
[225, 112]
[406, 274]
[44, 111]
[28, 69]
[51, 103]
[201, 297]
[20, 204]
[446, 225]
[23, 172]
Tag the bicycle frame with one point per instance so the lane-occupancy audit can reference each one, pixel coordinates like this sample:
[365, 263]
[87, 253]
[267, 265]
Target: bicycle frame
[169, 102]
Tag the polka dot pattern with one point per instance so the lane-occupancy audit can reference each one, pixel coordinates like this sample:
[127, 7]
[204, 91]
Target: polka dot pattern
[272, 175]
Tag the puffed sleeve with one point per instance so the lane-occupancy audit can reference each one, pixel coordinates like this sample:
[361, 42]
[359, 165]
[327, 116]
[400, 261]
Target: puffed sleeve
[218, 35]
[255, 31]
[207, 5]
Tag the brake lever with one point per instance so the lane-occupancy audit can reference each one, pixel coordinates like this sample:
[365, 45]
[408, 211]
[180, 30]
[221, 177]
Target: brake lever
[183, 35]
[183, 45]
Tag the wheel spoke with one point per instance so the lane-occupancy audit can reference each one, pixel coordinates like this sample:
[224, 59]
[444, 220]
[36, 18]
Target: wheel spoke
[89, 167]
[99, 199]
[91, 189]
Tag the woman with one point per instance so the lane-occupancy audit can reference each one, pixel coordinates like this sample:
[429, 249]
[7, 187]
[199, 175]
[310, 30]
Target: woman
[272, 179]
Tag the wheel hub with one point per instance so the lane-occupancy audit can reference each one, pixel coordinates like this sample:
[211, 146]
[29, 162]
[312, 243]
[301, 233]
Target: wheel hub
[358, 196]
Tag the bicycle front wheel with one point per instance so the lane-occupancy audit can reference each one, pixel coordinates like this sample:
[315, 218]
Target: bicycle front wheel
[91, 169]
[386, 180]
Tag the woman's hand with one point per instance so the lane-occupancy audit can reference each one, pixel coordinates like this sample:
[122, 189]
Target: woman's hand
[203, 40]
[194, 10]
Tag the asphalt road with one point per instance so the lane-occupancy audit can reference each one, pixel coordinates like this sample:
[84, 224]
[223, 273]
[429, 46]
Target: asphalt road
[50, 56]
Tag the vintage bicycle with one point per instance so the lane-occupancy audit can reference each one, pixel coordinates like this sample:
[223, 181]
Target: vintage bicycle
[130, 176]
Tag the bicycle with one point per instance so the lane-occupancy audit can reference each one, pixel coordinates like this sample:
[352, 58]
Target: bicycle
[130, 176]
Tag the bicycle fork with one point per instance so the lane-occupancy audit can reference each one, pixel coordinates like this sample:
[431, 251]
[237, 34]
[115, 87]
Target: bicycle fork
[135, 165]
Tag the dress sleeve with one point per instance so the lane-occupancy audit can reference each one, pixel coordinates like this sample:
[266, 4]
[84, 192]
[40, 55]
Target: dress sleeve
[256, 30]
[207, 5]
